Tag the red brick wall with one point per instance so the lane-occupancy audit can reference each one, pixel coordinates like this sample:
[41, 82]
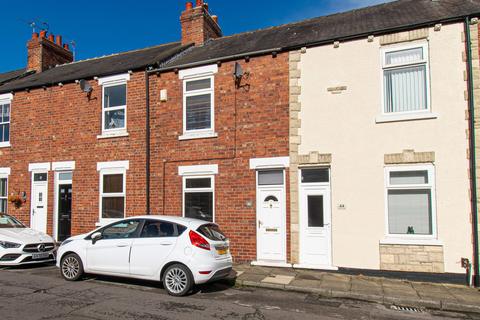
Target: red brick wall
[61, 124]
[261, 131]
[44, 54]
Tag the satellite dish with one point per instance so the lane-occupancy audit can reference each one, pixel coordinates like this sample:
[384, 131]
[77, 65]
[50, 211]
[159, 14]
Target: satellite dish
[84, 86]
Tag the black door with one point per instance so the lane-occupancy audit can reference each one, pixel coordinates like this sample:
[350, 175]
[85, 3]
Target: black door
[64, 211]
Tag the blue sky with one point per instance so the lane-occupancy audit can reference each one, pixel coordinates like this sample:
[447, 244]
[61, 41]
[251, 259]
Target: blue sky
[107, 26]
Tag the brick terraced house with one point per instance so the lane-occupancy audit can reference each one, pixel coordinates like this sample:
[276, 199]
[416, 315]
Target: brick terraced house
[343, 141]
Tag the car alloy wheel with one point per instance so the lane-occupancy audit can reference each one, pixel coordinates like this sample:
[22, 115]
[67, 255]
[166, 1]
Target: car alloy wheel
[71, 267]
[177, 280]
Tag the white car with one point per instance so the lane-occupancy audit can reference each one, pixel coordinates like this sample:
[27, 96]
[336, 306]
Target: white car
[21, 245]
[180, 252]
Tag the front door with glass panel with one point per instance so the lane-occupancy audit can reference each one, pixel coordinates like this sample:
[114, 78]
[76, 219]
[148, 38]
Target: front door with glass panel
[39, 202]
[315, 218]
[64, 211]
[271, 216]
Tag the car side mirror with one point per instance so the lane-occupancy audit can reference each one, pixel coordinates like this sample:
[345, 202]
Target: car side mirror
[96, 236]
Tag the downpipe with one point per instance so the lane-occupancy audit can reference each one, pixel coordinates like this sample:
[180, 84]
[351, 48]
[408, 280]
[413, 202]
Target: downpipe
[473, 160]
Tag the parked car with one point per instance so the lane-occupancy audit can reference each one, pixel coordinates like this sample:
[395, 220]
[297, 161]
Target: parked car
[180, 252]
[21, 245]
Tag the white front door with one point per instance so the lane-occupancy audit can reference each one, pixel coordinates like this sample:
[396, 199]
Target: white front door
[315, 220]
[271, 243]
[39, 202]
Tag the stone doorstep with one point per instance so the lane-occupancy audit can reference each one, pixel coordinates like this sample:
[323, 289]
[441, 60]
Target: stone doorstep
[278, 279]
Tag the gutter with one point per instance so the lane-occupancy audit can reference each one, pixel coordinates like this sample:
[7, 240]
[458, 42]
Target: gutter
[473, 160]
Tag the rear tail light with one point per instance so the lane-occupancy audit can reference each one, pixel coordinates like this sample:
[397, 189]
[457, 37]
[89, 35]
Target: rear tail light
[198, 241]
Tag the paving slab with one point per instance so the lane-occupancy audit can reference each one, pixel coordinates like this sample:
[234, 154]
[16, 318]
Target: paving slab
[278, 279]
[401, 289]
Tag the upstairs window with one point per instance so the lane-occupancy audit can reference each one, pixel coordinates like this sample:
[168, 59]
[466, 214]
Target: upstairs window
[198, 101]
[406, 79]
[5, 102]
[114, 107]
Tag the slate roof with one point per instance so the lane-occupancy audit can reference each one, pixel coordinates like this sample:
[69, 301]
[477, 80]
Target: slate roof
[347, 25]
[102, 66]
[379, 19]
[9, 76]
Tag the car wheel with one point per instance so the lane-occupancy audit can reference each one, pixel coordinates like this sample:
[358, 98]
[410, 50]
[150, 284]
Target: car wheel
[71, 267]
[177, 280]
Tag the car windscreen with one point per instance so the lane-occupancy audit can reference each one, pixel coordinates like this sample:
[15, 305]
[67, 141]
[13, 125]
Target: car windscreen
[212, 232]
[7, 221]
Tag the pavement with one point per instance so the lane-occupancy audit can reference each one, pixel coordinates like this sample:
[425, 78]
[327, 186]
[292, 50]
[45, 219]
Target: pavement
[39, 293]
[393, 292]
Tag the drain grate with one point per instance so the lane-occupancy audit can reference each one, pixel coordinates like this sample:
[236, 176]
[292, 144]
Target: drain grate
[406, 309]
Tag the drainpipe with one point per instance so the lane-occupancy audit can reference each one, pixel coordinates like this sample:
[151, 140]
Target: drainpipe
[473, 160]
[147, 142]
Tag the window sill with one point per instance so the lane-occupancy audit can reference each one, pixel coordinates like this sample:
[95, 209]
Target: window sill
[412, 242]
[202, 135]
[5, 145]
[406, 117]
[121, 134]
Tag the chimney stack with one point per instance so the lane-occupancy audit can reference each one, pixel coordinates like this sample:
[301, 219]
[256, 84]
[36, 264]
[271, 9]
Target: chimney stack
[46, 52]
[198, 25]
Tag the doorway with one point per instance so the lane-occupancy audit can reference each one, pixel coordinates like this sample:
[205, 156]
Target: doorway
[63, 188]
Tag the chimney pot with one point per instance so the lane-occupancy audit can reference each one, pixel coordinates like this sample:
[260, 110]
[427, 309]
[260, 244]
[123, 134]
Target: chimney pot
[188, 6]
[59, 40]
[43, 34]
[215, 18]
[199, 3]
[51, 38]
[35, 35]
[65, 46]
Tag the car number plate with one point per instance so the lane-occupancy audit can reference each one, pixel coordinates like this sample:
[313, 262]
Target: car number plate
[43, 255]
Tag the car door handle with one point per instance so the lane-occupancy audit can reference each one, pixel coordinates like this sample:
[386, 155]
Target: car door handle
[165, 244]
[122, 245]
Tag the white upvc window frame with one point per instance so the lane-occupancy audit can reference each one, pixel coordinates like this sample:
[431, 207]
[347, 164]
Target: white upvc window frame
[199, 190]
[112, 82]
[7, 99]
[412, 238]
[106, 169]
[4, 174]
[414, 114]
[199, 132]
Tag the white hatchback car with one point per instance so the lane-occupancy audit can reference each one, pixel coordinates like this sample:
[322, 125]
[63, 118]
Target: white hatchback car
[180, 252]
[21, 245]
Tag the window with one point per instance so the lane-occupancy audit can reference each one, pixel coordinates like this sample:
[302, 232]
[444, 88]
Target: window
[4, 123]
[316, 175]
[112, 193]
[315, 211]
[406, 79]
[198, 198]
[3, 195]
[122, 230]
[411, 202]
[160, 229]
[212, 232]
[270, 178]
[114, 107]
[198, 104]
